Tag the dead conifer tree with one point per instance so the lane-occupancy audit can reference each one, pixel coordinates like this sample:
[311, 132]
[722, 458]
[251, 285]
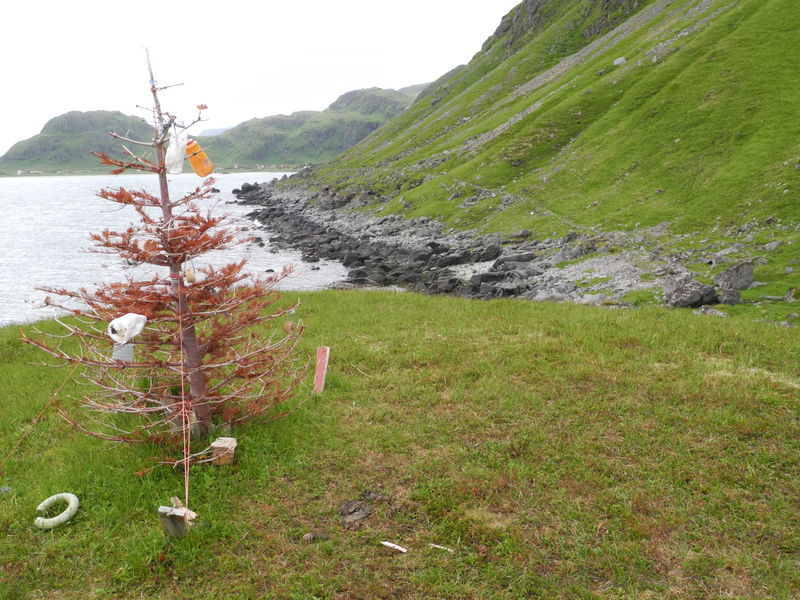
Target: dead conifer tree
[206, 356]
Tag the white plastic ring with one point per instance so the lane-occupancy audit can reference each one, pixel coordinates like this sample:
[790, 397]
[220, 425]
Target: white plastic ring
[69, 512]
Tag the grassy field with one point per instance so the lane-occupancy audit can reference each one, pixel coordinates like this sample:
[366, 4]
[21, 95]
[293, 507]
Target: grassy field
[559, 451]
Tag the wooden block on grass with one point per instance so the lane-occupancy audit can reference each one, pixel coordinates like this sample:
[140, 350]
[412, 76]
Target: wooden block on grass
[223, 450]
[323, 354]
[175, 521]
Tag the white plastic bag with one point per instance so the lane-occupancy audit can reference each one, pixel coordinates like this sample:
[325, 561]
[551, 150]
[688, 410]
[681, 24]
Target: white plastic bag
[123, 329]
[176, 151]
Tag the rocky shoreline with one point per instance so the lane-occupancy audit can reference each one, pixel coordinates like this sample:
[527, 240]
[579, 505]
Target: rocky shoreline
[419, 254]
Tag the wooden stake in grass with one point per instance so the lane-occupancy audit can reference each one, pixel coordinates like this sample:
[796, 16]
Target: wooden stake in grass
[321, 371]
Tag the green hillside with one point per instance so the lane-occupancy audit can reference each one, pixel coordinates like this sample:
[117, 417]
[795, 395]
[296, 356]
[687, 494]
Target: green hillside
[308, 136]
[65, 142]
[546, 130]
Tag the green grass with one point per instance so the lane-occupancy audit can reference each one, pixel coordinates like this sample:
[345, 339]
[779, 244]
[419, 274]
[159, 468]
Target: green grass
[561, 451]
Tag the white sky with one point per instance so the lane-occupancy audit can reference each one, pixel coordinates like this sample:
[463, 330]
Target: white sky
[242, 59]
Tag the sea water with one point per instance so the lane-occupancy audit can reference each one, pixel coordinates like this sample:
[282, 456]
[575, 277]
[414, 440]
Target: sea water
[47, 221]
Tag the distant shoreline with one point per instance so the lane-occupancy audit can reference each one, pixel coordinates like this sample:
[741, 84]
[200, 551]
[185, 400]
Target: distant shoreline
[105, 171]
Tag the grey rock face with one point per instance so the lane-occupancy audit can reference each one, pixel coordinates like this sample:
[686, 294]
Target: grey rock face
[422, 255]
[685, 292]
[737, 277]
[730, 297]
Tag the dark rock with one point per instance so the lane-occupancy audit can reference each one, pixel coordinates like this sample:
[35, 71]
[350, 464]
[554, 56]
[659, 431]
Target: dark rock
[730, 297]
[421, 255]
[489, 253]
[486, 290]
[486, 277]
[377, 277]
[516, 258]
[532, 270]
[505, 266]
[354, 511]
[352, 259]
[565, 287]
[523, 269]
[437, 247]
[685, 292]
[446, 285]
[402, 276]
[510, 288]
[448, 260]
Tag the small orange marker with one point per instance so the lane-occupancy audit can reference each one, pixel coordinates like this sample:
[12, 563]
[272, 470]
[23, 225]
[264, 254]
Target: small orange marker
[323, 354]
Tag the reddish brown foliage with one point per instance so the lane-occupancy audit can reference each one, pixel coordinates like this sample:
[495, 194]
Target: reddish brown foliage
[207, 354]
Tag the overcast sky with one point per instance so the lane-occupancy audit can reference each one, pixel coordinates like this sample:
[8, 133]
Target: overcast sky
[242, 59]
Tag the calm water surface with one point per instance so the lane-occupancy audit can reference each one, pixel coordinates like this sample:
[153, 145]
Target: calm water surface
[47, 222]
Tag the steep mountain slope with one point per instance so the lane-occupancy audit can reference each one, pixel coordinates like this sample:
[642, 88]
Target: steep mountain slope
[308, 136]
[608, 114]
[600, 151]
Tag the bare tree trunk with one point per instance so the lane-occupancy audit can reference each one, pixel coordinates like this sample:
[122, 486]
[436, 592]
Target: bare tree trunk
[191, 356]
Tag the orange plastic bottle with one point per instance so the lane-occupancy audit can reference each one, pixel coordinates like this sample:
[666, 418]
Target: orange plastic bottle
[199, 160]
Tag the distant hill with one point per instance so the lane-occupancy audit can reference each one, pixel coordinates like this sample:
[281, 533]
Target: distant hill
[66, 141]
[309, 136]
[213, 131]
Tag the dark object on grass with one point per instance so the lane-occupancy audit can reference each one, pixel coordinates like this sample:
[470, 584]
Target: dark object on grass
[353, 512]
[314, 536]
